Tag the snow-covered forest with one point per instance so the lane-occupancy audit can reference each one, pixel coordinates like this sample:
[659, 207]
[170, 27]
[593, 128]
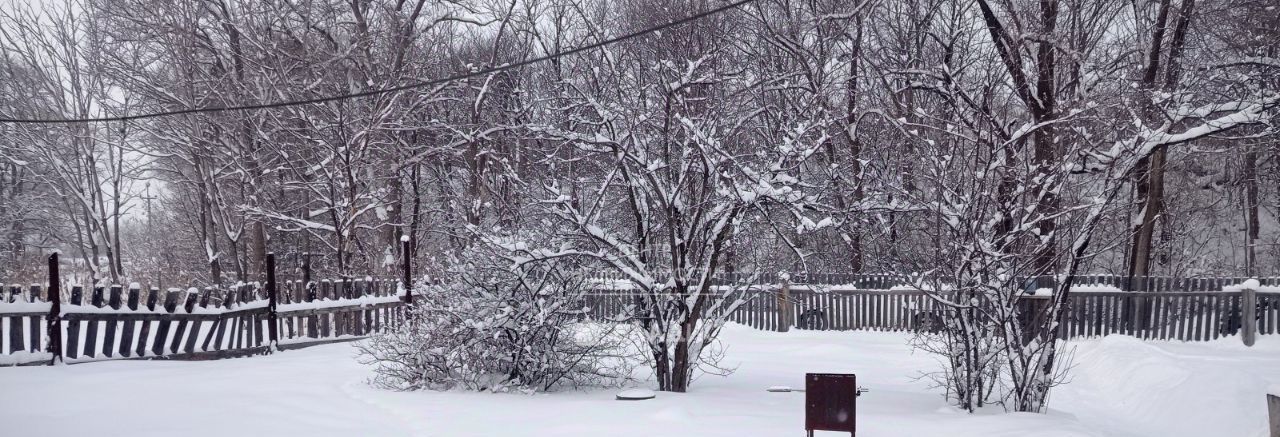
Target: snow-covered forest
[832, 136]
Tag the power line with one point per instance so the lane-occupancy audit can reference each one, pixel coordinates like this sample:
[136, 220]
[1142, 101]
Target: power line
[481, 72]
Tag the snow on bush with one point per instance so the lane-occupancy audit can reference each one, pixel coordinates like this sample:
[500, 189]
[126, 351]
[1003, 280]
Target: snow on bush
[498, 328]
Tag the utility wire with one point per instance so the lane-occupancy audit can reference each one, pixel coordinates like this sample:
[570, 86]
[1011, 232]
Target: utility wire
[481, 72]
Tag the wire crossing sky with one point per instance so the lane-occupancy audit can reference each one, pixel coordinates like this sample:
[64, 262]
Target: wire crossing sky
[433, 82]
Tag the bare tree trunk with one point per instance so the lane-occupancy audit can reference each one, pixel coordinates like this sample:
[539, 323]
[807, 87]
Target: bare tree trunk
[234, 250]
[1046, 151]
[1149, 188]
[1250, 210]
[117, 183]
[681, 365]
[1041, 101]
[215, 269]
[855, 145]
[258, 247]
[1150, 192]
[662, 367]
[395, 223]
[475, 175]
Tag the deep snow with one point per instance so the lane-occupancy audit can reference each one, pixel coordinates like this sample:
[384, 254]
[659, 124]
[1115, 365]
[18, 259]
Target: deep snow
[1120, 387]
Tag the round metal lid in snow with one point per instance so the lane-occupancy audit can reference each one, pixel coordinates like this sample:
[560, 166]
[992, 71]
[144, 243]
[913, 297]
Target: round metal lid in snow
[636, 394]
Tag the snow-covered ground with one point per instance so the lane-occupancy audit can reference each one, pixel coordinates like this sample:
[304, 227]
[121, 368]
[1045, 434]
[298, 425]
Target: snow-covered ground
[1120, 387]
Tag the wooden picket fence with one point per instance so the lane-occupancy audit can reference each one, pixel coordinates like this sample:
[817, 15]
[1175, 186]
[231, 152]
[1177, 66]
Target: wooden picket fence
[123, 323]
[763, 308]
[1172, 315]
[38, 322]
[888, 281]
[1163, 315]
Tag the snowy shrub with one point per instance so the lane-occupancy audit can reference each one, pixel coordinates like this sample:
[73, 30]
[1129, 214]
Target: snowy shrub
[969, 350]
[495, 327]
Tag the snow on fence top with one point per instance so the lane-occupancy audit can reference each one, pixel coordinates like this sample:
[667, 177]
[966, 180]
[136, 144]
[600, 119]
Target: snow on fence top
[210, 300]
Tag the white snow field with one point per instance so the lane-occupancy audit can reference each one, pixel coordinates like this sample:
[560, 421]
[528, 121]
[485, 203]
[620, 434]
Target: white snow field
[1120, 387]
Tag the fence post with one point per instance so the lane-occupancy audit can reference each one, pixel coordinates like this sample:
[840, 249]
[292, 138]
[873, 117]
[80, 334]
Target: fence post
[408, 269]
[54, 320]
[784, 303]
[1140, 307]
[1248, 313]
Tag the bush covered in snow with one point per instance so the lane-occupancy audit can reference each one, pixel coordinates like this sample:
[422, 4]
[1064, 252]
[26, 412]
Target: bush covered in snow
[498, 328]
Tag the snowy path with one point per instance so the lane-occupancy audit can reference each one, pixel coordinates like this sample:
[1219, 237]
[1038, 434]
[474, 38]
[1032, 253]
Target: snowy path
[1121, 387]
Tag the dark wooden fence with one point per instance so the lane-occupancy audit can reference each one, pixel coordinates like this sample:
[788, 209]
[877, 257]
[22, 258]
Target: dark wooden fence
[38, 324]
[1166, 315]
[888, 281]
[1185, 316]
[766, 308]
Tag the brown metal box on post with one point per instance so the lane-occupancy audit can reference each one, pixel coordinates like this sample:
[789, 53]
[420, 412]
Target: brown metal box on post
[829, 402]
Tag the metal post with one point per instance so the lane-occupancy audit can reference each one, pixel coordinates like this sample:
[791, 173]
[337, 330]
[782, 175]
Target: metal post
[55, 311]
[272, 328]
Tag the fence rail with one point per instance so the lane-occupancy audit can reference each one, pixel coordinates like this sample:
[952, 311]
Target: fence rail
[119, 323]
